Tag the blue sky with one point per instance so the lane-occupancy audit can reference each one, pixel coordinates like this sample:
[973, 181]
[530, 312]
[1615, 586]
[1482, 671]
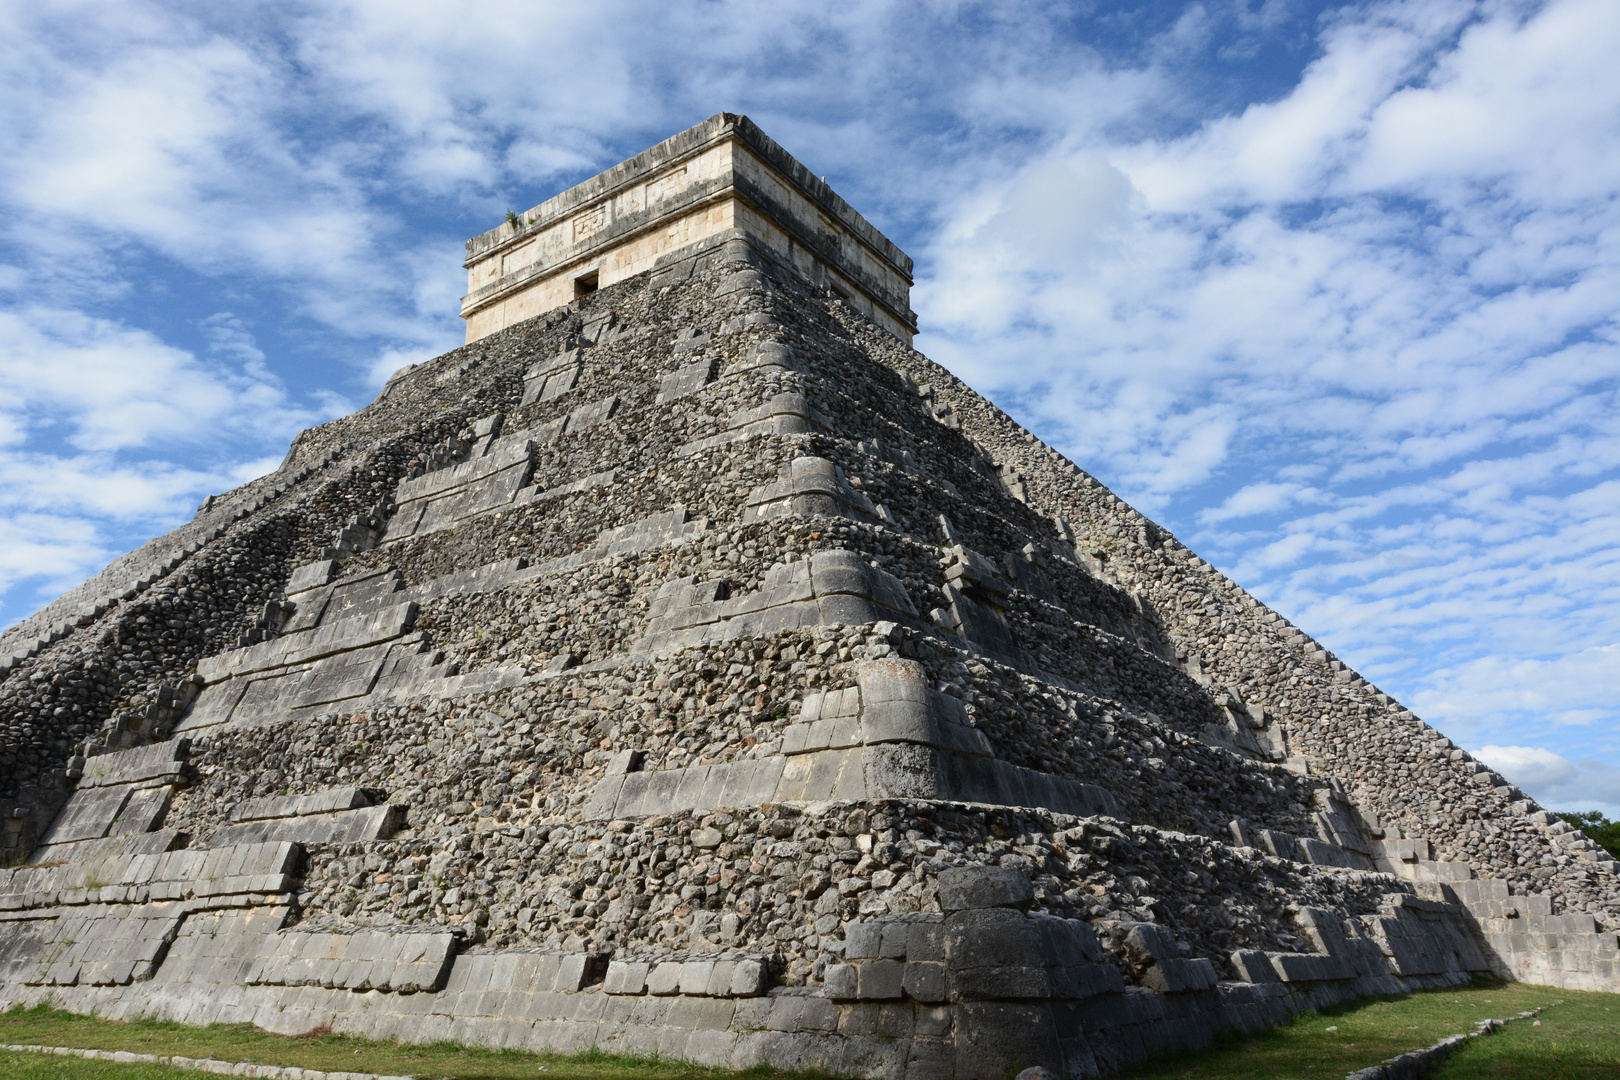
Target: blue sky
[1329, 290]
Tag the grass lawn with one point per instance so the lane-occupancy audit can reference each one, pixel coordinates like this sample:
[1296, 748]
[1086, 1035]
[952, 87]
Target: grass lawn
[1577, 1039]
[329, 1053]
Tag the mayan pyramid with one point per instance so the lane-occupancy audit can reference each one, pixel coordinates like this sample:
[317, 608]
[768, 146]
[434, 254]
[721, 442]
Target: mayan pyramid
[687, 665]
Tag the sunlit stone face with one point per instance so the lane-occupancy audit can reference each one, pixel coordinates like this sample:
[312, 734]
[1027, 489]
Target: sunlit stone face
[719, 176]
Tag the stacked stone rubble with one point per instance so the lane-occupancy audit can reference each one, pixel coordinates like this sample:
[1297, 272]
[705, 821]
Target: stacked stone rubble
[699, 670]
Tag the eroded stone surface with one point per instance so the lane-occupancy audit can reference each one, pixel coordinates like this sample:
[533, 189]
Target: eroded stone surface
[698, 670]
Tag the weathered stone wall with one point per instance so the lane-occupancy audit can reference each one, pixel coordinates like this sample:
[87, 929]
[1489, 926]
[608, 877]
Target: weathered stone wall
[627, 677]
[1401, 771]
[723, 174]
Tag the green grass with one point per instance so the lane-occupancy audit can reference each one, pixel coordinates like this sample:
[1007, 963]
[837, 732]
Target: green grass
[1579, 1038]
[45, 1067]
[243, 1042]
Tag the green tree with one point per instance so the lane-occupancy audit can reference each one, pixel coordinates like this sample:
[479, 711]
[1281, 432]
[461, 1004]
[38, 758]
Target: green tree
[1599, 828]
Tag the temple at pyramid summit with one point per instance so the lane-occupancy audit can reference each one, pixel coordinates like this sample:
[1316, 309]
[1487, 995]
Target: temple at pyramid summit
[686, 665]
[723, 175]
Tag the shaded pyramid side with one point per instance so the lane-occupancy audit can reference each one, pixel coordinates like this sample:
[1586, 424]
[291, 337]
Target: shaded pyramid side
[673, 653]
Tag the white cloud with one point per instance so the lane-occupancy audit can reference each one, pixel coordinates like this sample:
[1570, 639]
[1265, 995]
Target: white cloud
[1555, 781]
[94, 415]
[137, 130]
[1354, 338]
[118, 388]
[392, 361]
[1262, 498]
[1577, 688]
[53, 550]
[229, 338]
[1362, 335]
[1515, 98]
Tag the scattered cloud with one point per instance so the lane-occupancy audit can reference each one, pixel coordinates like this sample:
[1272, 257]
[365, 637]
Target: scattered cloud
[1355, 343]
[1575, 689]
[1555, 781]
[112, 387]
[49, 551]
[108, 434]
[1328, 290]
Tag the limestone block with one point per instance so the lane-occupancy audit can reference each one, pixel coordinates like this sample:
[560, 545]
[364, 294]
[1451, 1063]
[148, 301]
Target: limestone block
[590, 415]
[896, 932]
[845, 572]
[967, 887]
[1253, 966]
[665, 978]
[344, 827]
[565, 359]
[924, 980]
[1148, 942]
[158, 763]
[994, 953]
[906, 722]
[322, 802]
[1309, 967]
[767, 354]
[625, 761]
[832, 774]
[575, 971]
[902, 771]
[979, 622]
[784, 1013]
[342, 636]
[439, 499]
[742, 280]
[863, 940]
[1441, 871]
[749, 978]
[699, 783]
[550, 379]
[967, 569]
[809, 486]
[1067, 943]
[1085, 941]
[650, 532]
[1323, 854]
[573, 487]
[719, 981]
[790, 406]
[930, 1059]
[87, 815]
[311, 576]
[847, 591]
[992, 1035]
[1173, 975]
[1280, 844]
[143, 812]
[879, 980]
[925, 940]
[898, 687]
[685, 380]
[356, 594]
[841, 982]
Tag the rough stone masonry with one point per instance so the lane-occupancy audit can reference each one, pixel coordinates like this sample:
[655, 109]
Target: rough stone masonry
[692, 667]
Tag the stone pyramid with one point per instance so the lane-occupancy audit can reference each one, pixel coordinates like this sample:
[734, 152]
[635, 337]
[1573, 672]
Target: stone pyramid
[687, 665]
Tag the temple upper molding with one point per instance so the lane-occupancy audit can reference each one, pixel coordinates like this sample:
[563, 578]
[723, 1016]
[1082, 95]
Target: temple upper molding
[723, 174]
